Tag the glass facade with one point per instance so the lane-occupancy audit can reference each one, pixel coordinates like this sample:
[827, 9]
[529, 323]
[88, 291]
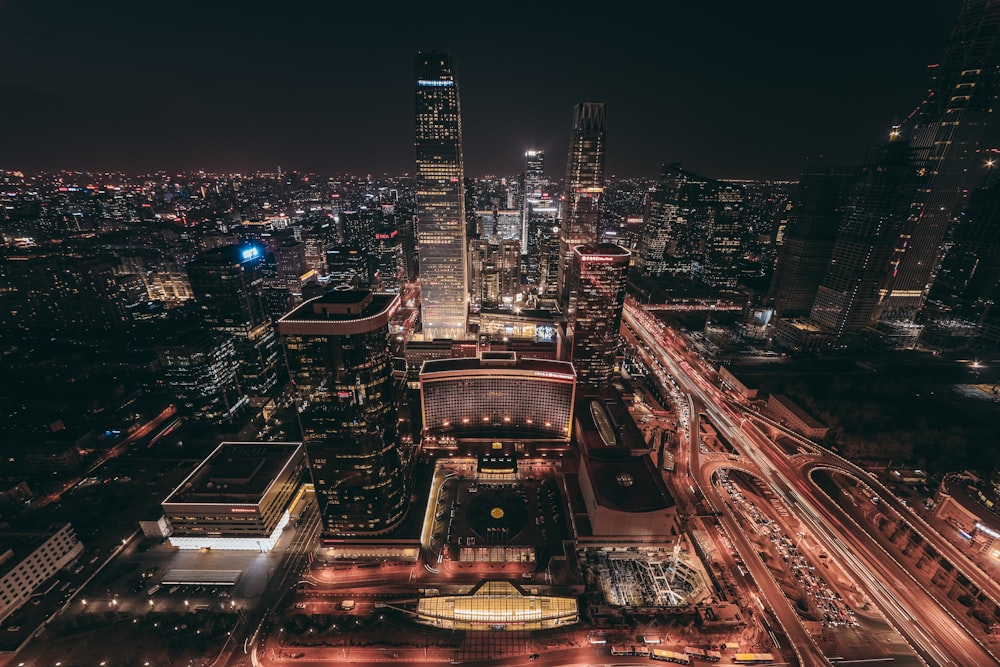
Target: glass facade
[584, 187]
[228, 286]
[441, 224]
[599, 278]
[338, 357]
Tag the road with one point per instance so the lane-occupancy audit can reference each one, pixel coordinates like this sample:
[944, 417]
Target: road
[929, 628]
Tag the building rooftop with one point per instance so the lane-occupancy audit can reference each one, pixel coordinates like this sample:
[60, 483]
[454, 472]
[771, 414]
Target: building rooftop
[601, 249]
[628, 483]
[493, 360]
[235, 473]
[342, 305]
[621, 471]
[799, 413]
[340, 312]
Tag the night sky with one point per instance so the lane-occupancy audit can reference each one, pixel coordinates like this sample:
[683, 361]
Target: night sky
[730, 89]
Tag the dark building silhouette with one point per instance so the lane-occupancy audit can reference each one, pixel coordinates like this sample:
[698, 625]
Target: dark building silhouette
[952, 125]
[881, 204]
[808, 239]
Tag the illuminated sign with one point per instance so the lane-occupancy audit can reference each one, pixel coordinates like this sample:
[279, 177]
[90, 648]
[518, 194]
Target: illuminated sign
[430, 83]
[243, 510]
[545, 332]
[983, 529]
[597, 258]
[250, 253]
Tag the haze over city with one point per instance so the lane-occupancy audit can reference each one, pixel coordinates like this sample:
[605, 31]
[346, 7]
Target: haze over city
[732, 89]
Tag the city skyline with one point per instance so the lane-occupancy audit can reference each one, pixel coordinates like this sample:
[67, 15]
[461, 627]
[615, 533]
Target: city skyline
[212, 91]
[281, 414]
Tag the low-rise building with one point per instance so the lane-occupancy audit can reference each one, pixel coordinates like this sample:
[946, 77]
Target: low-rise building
[238, 498]
[785, 410]
[27, 560]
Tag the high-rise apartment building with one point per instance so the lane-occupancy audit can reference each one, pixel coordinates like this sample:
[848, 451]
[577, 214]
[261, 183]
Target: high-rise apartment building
[953, 124]
[441, 224]
[228, 285]
[808, 239]
[599, 276]
[584, 187]
[338, 356]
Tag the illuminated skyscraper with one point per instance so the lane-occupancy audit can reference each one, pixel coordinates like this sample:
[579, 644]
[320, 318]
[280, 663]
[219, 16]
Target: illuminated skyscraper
[598, 277]
[584, 186]
[228, 286]
[953, 124]
[534, 178]
[441, 225]
[692, 225]
[338, 355]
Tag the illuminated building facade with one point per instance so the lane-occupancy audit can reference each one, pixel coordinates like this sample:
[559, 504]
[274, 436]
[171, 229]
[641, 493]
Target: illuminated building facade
[599, 279]
[238, 498]
[228, 285]
[497, 605]
[338, 355]
[531, 195]
[584, 187]
[441, 224]
[498, 395]
[199, 368]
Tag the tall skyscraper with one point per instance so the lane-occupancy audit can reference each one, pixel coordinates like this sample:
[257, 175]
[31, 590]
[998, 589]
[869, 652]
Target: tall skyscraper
[692, 225]
[228, 286]
[531, 194]
[200, 368]
[881, 204]
[584, 187]
[441, 224]
[953, 124]
[599, 275]
[809, 238]
[968, 285]
[662, 222]
[337, 349]
[719, 264]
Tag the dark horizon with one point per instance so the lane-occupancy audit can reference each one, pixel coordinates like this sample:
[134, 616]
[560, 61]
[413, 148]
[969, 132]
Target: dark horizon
[248, 87]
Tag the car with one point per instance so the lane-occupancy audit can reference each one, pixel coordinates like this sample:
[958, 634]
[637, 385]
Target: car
[534, 656]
